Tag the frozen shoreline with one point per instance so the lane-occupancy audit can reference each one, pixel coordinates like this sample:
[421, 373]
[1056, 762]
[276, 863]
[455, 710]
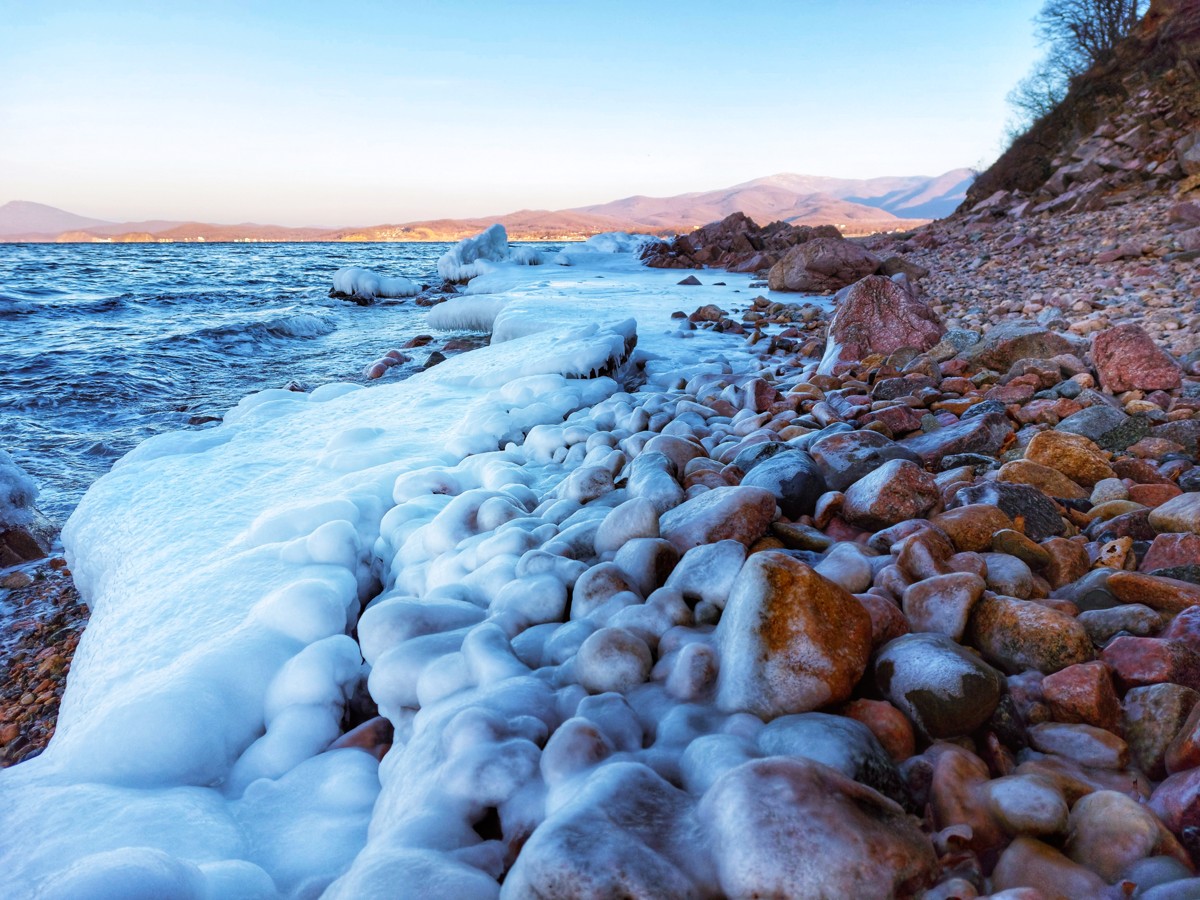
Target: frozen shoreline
[161, 705]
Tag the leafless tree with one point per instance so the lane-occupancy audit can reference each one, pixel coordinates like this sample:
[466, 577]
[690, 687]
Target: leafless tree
[1077, 34]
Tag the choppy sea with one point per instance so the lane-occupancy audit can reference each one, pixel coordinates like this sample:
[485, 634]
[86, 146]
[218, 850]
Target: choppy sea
[104, 345]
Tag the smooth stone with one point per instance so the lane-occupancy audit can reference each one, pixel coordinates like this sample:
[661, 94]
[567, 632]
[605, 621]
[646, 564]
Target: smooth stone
[649, 562]
[725, 513]
[1013, 543]
[973, 527]
[1166, 595]
[1016, 635]
[1050, 482]
[1181, 514]
[1152, 718]
[1085, 744]
[1027, 805]
[847, 566]
[1029, 863]
[794, 480]
[986, 435]
[895, 492]
[839, 742]
[1071, 454]
[1109, 832]
[943, 688]
[636, 518]
[764, 815]
[612, 659]
[943, 603]
[627, 812]
[1103, 624]
[705, 574]
[597, 586]
[649, 476]
[1009, 576]
[843, 458]
[1093, 422]
[790, 640]
[1039, 518]
[801, 537]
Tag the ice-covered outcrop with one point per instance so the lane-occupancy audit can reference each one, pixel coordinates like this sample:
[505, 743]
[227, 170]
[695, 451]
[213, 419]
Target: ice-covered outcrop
[25, 534]
[18, 492]
[478, 255]
[363, 284]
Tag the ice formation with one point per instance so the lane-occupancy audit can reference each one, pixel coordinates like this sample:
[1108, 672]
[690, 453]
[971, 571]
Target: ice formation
[18, 492]
[477, 549]
[367, 285]
[475, 255]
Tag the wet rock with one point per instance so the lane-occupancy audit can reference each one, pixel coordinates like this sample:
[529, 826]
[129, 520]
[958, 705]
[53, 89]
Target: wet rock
[943, 603]
[766, 814]
[1152, 717]
[636, 518]
[1025, 805]
[1049, 481]
[791, 641]
[1181, 514]
[1068, 562]
[1026, 506]
[972, 526]
[724, 513]
[1167, 595]
[878, 315]
[1018, 634]
[705, 574]
[896, 491]
[1009, 576]
[1177, 803]
[1083, 693]
[1184, 750]
[1085, 744]
[839, 742]
[1104, 624]
[986, 435]
[1109, 832]
[1004, 344]
[822, 264]
[890, 726]
[1029, 863]
[945, 689]
[1138, 661]
[794, 480]
[626, 813]
[843, 459]
[1128, 359]
[1076, 457]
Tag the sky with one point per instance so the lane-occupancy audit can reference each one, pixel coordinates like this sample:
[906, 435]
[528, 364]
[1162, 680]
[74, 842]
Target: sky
[362, 112]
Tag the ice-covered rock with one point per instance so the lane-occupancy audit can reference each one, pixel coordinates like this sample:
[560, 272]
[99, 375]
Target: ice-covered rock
[475, 256]
[786, 827]
[790, 640]
[363, 284]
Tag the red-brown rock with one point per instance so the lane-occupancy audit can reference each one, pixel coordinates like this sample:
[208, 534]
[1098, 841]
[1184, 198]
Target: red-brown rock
[1128, 359]
[1138, 661]
[1083, 693]
[878, 315]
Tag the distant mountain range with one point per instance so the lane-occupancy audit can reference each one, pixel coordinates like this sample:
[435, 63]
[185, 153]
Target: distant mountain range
[857, 206]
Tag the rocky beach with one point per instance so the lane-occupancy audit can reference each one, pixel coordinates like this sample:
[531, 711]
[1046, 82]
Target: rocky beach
[890, 591]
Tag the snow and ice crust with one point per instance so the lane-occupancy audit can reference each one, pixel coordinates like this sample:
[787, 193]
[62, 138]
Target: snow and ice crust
[425, 541]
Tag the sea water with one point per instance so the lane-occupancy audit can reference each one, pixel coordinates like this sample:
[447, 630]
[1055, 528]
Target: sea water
[104, 345]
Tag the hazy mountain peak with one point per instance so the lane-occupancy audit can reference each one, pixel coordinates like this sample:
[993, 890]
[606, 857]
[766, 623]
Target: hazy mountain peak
[27, 217]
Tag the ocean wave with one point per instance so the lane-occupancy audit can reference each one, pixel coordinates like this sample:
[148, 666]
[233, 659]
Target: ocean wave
[298, 325]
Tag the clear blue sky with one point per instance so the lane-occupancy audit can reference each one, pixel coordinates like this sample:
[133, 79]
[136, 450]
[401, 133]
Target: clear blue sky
[369, 112]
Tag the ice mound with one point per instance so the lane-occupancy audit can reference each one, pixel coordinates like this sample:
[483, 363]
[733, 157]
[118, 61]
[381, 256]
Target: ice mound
[608, 242]
[18, 493]
[366, 285]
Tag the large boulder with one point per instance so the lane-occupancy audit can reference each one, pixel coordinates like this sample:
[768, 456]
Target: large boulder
[1127, 359]
[791, 640]
[878, 315]
[786, 827]
[822, 264]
